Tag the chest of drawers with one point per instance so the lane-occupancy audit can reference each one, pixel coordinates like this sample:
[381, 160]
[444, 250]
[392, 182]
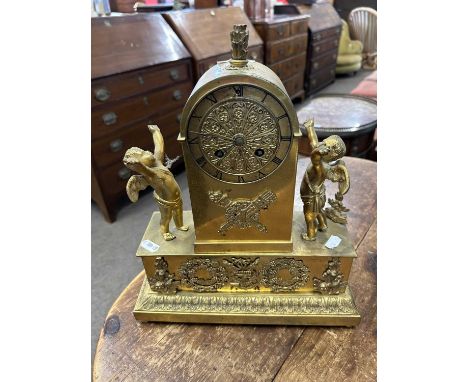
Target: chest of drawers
[141, 74]
[285, 39]
[324, 38]
[205, 33]
[324, 29]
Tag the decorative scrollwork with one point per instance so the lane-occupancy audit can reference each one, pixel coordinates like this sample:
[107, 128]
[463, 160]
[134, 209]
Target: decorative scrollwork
[203, 274]
[239, 136]
[242, 213]
[162, 281]
[298, 274]
[243, 273]
[333, 280]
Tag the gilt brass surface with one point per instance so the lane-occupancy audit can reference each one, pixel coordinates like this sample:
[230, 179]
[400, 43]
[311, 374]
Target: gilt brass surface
[258, 309]
[253, 272]
[325, 164]
[239, 134]
[154, 173]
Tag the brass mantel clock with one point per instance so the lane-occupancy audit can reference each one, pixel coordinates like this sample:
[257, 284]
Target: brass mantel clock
[242, 255]
[239, 135]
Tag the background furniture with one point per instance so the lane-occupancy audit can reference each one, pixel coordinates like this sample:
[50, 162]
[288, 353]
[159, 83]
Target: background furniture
[351, 117]
[349, 52]
[344, 7]
[136, 351]
[206, 34]
[141, 74]
[367, 87]
[363, 26]
[285, 39]
[124, 6]
[324, 35]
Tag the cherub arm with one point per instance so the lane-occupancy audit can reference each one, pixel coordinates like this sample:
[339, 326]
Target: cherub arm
[318, 149]
[158, 143]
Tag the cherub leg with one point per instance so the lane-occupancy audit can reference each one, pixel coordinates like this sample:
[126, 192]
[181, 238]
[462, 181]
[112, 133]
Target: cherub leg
[322, 221]
[166, 214]
[311, 222]
[178, 217]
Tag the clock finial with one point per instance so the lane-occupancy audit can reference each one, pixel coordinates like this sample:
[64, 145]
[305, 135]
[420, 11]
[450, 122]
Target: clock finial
[239, 44]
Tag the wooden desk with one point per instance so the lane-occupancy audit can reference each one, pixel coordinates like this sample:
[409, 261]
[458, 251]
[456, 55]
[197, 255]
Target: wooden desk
[128, 350]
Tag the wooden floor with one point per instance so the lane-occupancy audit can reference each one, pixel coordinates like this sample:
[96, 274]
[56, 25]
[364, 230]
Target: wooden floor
[128, 350]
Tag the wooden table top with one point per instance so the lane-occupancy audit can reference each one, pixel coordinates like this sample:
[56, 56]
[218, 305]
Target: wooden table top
[129, 350]
[342, 114]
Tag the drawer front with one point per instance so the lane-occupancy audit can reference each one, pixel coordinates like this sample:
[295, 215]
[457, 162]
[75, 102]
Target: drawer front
[299, 27]
[325, 34]
[126, 85]
[107, 120]
[294, 84]
[114, 178]
[278, 31]
[280, 50]
[290, 67]
[323, 61]
[325, 46]
[111, 149]
[321, 78]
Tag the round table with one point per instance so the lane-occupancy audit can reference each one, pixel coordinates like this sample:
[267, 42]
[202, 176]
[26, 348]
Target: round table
[134, 351]
[352, 117]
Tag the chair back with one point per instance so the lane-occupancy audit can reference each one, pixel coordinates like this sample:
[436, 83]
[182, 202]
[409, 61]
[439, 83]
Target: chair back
[363, 27]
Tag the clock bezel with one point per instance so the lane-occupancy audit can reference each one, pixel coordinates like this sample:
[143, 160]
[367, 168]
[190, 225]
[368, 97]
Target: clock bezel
[280, 154]
[231, 80]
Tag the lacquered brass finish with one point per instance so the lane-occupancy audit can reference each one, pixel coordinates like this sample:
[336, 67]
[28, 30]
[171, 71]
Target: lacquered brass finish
[154, 173]
[239, 134]
[325, 164]
[247, 271]
[248, 288]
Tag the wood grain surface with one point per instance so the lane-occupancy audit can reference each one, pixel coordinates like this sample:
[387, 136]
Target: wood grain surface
[128, 350]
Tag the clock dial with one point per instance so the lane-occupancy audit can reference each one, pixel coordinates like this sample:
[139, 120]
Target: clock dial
[239, 134]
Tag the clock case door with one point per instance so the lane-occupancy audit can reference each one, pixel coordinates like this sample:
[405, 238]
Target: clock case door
[209, 216]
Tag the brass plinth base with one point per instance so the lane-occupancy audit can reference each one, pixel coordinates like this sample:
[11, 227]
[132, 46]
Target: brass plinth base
[247, 308]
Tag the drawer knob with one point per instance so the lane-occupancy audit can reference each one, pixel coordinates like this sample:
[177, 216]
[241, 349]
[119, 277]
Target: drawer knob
[317, 49]
[102, 94]
[319, 36]
[314, 82]
[281, 31]
[179, 118]
[316, 65]
[116, 145]
[332, 72]
[124, 173]
[140, 80]
[109, 118]
[254, 55]
[174, 74]
[177, 95]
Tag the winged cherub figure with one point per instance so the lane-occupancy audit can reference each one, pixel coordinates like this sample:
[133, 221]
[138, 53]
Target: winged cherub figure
[325, 164]
[154, 173]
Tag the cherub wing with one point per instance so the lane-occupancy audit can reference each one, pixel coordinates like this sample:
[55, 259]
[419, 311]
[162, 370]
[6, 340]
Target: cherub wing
[135, 184]
[338, 173]
[158, 143]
